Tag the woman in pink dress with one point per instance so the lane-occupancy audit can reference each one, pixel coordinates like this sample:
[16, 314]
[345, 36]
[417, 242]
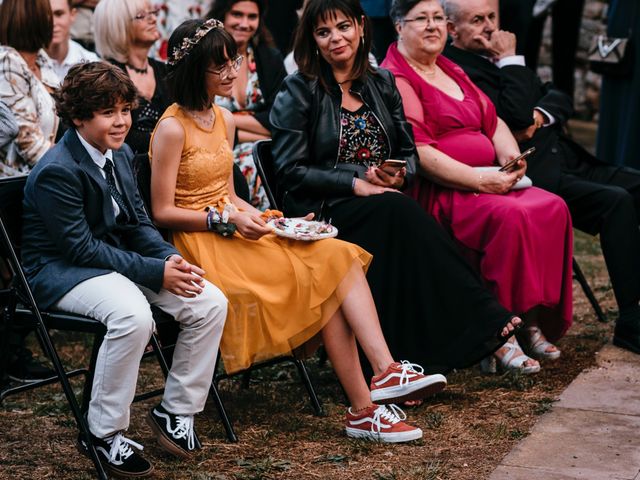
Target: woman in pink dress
[522, 238]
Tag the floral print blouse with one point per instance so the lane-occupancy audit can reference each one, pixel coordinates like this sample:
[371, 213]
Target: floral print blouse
[363, 141]
[33, 107]
[254, 95]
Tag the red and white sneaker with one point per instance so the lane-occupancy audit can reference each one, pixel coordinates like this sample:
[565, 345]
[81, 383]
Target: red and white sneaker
[381, 423]
[404, 381]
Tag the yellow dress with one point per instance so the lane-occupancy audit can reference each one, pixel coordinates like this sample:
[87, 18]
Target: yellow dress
[281, 292]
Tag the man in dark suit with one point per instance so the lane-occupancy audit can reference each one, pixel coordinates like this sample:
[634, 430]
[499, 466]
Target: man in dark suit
[89, 248]
[603, 199]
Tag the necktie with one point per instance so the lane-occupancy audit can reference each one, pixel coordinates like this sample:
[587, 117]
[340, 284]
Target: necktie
[123, 217]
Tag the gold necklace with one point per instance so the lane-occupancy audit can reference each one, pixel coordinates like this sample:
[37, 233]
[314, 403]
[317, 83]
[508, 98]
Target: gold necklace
[423, 70]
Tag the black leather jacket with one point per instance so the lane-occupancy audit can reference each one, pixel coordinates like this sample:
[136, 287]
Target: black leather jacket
[305, 121]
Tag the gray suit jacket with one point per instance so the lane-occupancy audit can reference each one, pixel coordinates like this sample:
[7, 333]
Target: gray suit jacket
[70, 232]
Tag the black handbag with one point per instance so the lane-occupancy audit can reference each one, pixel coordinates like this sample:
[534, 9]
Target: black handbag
[612, 56]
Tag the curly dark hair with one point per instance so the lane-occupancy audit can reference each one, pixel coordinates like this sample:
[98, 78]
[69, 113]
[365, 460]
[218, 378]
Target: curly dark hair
[186, 80]
[91, 87]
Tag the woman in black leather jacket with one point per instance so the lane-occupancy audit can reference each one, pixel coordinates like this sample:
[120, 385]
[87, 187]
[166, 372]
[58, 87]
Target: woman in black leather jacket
[333, 122]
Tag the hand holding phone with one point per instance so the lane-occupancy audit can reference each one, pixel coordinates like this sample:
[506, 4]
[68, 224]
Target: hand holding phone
[391, 167]
[513, 164]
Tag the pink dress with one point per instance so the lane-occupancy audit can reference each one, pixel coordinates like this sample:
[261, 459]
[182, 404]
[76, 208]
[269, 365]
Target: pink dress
[523, 239]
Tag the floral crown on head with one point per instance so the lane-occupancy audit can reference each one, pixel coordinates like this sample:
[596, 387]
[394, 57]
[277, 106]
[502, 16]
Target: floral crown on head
[189, 42]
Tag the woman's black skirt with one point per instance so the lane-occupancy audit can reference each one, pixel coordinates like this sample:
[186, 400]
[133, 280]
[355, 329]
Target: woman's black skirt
[433, 307]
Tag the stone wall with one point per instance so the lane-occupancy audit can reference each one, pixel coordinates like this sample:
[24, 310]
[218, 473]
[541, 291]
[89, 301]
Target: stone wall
[587, 91]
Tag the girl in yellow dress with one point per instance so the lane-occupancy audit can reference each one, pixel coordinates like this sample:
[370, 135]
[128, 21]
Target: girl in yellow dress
[281, 292]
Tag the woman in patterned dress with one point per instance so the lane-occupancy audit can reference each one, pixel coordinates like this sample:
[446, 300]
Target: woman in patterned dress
[26, 80]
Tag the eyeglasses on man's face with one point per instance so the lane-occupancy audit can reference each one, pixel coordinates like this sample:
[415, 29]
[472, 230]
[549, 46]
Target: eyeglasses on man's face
[146, 14]
[422, 21]
[232, 65]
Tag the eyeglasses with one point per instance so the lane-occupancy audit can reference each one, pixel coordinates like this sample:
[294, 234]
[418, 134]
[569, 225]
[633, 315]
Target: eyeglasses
[145, 15]
[224, 71]
[422, 20]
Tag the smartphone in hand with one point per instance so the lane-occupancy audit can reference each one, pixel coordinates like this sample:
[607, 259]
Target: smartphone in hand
[513, 164]
[391, 167]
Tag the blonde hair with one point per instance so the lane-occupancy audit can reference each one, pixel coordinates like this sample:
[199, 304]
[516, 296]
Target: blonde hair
[112, 26]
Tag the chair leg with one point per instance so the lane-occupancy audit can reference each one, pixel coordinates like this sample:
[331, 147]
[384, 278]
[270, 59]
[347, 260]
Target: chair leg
[71, 398]
[214, 394]
[586, 288]
[4, 342]
[157, 349]
[222, 412]
[323, 357]
[88, 380]
[304, 376]
[246, 379]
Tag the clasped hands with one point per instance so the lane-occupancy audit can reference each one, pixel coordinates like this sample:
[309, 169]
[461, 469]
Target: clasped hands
[182, 278]
[378, 181]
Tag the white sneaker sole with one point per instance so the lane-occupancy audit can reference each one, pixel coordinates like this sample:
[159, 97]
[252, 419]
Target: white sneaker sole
[416, 390]
[165, 442]
[397, 437]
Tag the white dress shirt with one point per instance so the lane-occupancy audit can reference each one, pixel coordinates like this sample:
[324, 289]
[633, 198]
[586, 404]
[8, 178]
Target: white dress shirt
[76, 54]
[100, 160]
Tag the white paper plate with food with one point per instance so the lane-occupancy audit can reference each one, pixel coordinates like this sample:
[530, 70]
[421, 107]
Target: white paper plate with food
[301, 229]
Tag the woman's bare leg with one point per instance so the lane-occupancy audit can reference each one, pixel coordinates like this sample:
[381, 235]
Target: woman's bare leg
[359, 312]
[340, 343]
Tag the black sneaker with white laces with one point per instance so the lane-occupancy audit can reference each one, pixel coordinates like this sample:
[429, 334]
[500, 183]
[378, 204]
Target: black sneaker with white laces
[175, 433]
[117, 456]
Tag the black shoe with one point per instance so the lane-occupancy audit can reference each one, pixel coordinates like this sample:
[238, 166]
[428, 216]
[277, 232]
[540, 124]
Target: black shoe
[117, 456]
[24, 368]
[627, 332]
[175, 433]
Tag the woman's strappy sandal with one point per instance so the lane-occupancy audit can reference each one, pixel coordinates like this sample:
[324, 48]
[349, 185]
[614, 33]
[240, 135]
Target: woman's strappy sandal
[509, 361]
[536, 345]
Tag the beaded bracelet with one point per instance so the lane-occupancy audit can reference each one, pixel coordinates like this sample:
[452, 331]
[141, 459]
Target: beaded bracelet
[477, 192]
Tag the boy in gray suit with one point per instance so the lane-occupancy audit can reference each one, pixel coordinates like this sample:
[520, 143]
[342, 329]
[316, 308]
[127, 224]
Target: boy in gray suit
[89, 248]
